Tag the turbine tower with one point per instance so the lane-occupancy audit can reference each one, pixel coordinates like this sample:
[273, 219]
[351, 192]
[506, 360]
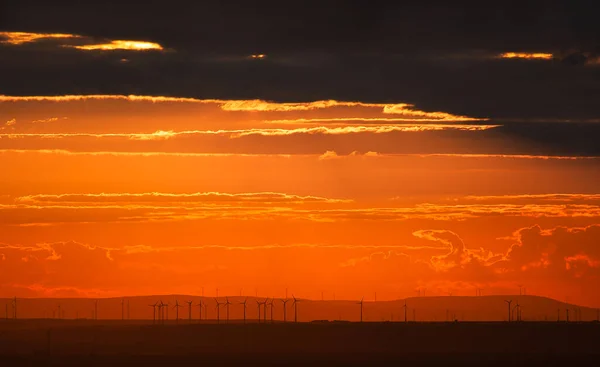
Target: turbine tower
[14, 302]
[227, 303]
[517, 308]
[272, 305]
[190, 310]
[218, 310]
[361, 308]
[244, 304]
[258, 304]
[154, 312]
[161, 311]
[95, 309]
[123, 309]
[295, 304]
[509, 309]
[200, 310]
[265, 309]
[285, 301]
[176, 307]
[405, 309]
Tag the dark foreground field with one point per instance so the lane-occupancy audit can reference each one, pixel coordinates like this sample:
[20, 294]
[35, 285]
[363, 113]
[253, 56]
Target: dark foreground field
[112, 343]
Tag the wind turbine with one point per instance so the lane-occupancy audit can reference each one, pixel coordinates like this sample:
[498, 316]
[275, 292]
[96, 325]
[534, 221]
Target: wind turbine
[190, 310]
[154, 312]
[295, 304]
[405, 308]
[567, 309]
[285, 301]
[161, 311]
[14, 302]
[244, 303]
[218, 310]
[200, 310]
[508, 302]
[258, 304]
[227, 303]
[265, 310]
[176, 307]
[518, 309]
[272, 305]
[123, 309]
[361, 308]
[95, 309]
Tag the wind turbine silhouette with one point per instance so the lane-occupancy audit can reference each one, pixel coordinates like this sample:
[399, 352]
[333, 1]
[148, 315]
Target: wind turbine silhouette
[176, 307]
[518, 309]
[14, 304]
[244, 304]
[200, 310]
[405, 309]
[272, 305]
[258, 304]
[285, 301]
[265, 309]
[227, 303]
[295, 304]
[361, 308]
[567, 309]
[509, 314]
[95, 309]
[218, 310]
[189, 303]
[162, 308]
[154, 312]
[123, 309]
[167, 311]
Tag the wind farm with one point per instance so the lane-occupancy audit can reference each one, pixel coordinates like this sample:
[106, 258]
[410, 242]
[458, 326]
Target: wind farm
[319, 328]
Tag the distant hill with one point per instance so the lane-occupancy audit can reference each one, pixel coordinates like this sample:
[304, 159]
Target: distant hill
[483, 308]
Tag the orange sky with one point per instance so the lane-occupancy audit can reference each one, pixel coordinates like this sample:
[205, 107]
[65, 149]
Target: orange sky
[113, 195]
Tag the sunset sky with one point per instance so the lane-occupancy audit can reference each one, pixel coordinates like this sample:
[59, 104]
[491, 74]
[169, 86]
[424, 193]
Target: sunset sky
[337, 150]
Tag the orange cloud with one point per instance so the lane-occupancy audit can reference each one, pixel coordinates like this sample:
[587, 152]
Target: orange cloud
[258, 105]
[162, 135]
[525, 55]
[458, 256]
[19, 38]
[121, 45]
[209, 197]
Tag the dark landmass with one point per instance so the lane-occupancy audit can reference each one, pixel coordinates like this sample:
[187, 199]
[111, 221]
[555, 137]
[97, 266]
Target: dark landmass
[79, 342]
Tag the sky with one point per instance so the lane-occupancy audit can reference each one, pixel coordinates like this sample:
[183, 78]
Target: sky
[333, 150]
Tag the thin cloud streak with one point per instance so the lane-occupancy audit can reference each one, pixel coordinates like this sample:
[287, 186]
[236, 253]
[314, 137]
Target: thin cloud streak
[162, 135]
[264, 197]
[329, 154]
[258, 105]
[525, 55]
[19, 38]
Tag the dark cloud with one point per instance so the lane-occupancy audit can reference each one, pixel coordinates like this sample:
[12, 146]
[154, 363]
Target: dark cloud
[437, 56]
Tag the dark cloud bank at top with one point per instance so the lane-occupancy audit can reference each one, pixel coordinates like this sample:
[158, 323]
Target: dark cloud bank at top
[438, 56]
